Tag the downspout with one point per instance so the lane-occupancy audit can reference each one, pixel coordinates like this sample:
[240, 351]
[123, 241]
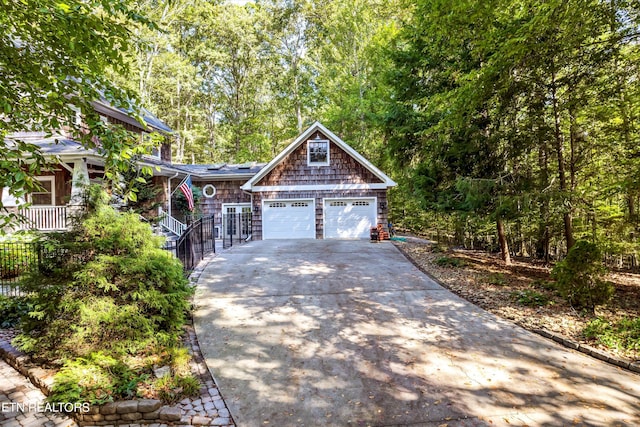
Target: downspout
[170, 193]
[251, 234]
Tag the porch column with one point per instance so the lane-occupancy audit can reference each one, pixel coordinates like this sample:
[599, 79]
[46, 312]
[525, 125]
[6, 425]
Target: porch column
[79, 183]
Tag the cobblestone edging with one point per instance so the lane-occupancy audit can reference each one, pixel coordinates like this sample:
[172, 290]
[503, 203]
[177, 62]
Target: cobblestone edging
[207, 409]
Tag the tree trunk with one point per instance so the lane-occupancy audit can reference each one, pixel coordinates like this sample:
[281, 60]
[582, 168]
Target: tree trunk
[559, 145]
[502, 239]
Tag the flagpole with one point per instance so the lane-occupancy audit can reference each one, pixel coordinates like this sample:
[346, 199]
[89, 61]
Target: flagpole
[178, 186]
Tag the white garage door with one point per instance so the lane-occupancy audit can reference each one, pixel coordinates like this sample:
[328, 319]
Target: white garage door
[349, 218]
[288, 219]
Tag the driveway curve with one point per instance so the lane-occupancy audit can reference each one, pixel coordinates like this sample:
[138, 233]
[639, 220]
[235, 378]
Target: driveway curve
[350, 333]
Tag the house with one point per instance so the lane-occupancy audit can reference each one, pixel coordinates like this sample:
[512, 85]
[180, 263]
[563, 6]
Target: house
[318, 187]
[76, 166]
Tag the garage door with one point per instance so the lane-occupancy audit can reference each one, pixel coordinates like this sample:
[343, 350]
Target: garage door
[349, 218]
[288, 219]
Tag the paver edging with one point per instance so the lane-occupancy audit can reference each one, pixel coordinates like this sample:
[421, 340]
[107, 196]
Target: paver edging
[602, 355]
[213, 410]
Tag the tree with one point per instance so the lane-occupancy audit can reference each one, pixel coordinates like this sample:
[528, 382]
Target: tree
[54, 58]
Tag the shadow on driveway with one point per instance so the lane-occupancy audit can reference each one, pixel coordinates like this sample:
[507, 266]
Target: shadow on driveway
[350, 333]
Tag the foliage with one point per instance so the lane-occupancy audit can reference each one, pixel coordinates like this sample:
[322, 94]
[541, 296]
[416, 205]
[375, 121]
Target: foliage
[180, 201]
[171, 388]
[12, 309]
[531, 298]
[580, 276]
[623, 334]
[114, 297]
[446, 261]
[497, 279]
[48, 76]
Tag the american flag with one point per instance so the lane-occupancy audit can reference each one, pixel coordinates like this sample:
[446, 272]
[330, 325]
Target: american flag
[185, 187]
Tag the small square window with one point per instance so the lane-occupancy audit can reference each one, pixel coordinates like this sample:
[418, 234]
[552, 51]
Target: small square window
[318, 152]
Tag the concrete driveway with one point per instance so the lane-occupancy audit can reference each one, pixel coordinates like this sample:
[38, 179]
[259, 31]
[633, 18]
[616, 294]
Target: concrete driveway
[350, 333]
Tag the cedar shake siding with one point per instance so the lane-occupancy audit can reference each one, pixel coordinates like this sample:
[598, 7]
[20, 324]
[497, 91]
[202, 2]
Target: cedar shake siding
[226, 192]
[318, 196]
[342, 169]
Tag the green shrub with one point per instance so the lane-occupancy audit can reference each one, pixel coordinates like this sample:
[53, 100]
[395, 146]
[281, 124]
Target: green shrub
[531, 298]
[580, 275]
[445, 261]
[544, 284]
[171, 388]
[622, 335]
[113, 299]
[12, 309]
[496, 279]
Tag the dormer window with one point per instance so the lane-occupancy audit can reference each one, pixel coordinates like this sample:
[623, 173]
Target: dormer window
[318, 152]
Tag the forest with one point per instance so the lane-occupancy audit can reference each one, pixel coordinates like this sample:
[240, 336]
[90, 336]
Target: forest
[510, 125]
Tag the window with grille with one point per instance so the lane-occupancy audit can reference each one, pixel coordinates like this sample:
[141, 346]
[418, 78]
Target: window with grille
[318, 152]
[277, 205]
[337, 203]
[300, 204]
[360, 203]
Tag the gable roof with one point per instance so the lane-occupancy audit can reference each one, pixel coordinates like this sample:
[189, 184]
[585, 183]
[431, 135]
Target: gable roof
[317, 126]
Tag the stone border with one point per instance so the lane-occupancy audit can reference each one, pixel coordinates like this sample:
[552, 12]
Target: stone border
[207, 409]
[602, 355]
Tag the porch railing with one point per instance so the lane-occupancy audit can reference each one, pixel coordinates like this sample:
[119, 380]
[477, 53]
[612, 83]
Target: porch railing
[171, 224]
[45, 218]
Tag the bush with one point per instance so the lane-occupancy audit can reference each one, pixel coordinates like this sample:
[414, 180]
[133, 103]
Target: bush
[496, 279]
[12, 309]
[580, 275]
[112, 300]
[623, 335]
[531, 298]
[445, 261]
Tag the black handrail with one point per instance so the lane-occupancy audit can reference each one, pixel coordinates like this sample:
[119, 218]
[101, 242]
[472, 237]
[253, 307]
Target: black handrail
[196, 242]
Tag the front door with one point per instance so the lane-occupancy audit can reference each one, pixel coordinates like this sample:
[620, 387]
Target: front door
[236, 220]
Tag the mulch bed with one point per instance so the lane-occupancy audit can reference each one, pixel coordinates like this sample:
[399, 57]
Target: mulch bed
[486, 281]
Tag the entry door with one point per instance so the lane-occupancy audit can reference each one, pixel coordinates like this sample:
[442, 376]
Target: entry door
[236, 220]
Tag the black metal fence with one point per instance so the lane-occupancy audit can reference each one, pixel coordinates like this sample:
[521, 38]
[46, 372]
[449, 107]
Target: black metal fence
[197, 241]
[236, 228]
[15, 259]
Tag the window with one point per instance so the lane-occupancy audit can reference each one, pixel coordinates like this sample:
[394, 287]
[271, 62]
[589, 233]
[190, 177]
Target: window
[300, 204]
[360, 203]
[46, 195]
[318, 152]
[277, 205]
[337, 203]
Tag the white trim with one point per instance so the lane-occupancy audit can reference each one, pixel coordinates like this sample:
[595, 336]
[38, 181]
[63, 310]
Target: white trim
[204, 191]
[51, 178]
[317, 126]
[234, 205]
[319, 187]
[328, 162]
[324, 213]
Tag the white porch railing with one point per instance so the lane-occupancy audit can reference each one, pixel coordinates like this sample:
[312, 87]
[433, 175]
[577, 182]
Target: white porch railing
[44, 218]
[171, 224]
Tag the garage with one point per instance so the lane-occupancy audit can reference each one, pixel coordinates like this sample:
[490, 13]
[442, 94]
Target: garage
[349, 218]
[289, 219]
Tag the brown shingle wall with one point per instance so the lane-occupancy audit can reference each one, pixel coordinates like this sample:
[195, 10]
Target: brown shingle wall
[318, 196]
[226, 192]
[342, 169]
